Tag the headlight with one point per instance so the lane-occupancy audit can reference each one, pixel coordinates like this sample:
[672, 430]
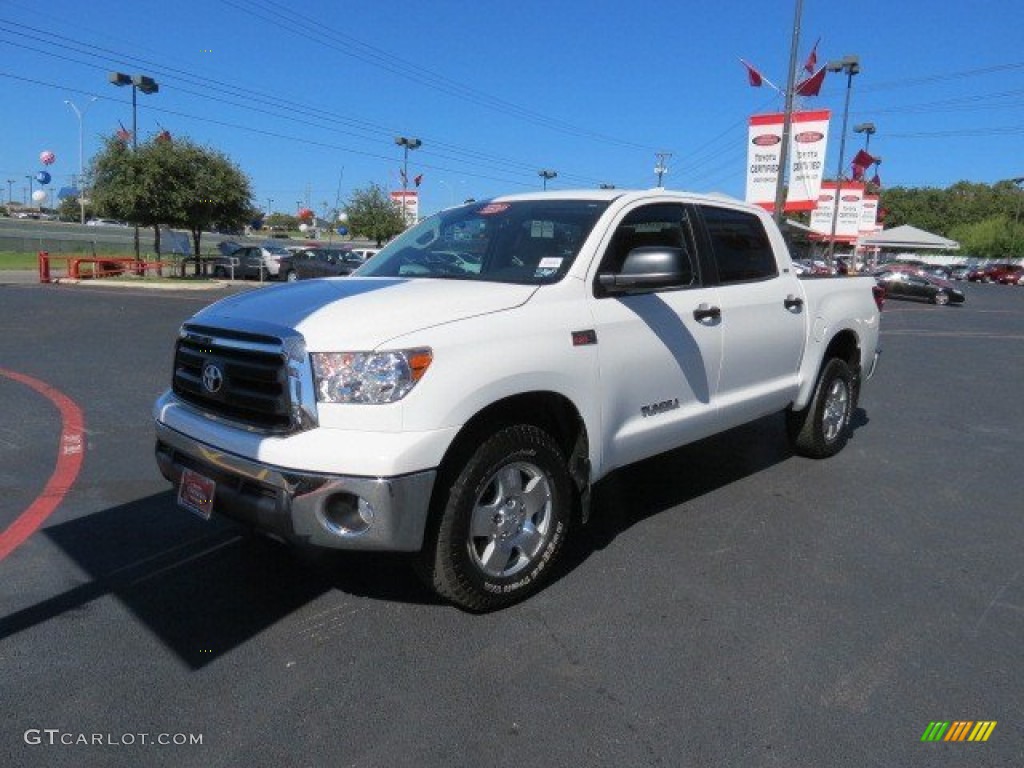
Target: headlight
[368, 377]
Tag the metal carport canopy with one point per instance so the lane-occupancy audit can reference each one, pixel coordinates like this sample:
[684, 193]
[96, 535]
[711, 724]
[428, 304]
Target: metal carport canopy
[907, 237]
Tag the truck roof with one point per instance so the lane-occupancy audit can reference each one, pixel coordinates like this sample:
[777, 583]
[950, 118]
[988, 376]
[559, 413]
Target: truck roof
[613, 194]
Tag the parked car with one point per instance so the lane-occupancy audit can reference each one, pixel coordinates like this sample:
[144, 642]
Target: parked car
[809, 267]
[239, 262]
[988, 273]
[960, 271]
[938, 270]
[905, 285]
[105, 223]
[365, 253]
[306, 263]
[1010, 275]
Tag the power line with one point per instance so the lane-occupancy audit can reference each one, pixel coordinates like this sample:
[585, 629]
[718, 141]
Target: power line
[274, 106]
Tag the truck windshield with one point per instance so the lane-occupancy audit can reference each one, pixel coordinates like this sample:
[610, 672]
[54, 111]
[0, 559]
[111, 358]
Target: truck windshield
[527, 241]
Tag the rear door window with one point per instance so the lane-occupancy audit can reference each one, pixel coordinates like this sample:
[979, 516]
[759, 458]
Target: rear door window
[740, 246]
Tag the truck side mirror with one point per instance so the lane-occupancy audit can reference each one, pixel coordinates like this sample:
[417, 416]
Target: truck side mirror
[649, 268]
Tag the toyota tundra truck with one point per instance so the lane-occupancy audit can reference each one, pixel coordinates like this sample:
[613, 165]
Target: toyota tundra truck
[461, 393]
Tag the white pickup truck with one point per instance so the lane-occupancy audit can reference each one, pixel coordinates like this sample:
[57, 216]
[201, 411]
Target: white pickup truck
[461, 393]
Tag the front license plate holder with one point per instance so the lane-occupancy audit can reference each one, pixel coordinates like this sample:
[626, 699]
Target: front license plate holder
[196, 492]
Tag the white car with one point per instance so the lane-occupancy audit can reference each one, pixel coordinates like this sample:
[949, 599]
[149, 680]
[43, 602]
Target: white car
[105, 223]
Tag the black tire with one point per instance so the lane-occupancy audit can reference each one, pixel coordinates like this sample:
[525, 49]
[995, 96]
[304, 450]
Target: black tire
[502, 523]
[941, 298]
[822, 428]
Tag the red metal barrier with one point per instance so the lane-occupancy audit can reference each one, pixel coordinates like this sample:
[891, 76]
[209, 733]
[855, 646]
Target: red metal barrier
[44, 267]
[97, 267]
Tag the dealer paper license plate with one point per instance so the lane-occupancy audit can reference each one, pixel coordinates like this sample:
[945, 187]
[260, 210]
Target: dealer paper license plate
[195, 493]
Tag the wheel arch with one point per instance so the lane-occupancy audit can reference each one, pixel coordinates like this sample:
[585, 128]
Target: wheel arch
[551, 411]
[845, 345]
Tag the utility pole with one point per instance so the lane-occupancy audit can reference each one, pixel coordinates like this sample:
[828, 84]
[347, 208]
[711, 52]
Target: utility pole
[787, 120]
[10, 190]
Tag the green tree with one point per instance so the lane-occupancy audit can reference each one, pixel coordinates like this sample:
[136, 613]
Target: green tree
[71, 210]
[175, 183]
[997, 237]
[986, 219]
[283, 220]
[372, 214]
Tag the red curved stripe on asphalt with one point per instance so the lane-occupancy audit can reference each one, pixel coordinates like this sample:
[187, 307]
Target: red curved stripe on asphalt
[69, 462]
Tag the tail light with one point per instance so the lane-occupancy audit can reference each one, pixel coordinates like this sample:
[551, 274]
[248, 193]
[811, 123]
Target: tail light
[879, 293]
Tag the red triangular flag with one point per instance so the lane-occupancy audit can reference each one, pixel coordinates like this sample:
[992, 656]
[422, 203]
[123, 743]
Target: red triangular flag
[876, 180]
[812, 58]
[857, 171]
[418, 179]
[864, 159]
[753, 76]
[124, 134]
[811, 86]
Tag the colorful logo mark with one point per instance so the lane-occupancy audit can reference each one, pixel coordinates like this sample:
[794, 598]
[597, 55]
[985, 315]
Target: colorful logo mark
[958, 730]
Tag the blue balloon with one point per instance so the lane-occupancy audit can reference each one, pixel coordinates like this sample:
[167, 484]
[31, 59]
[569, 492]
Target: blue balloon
[342, 230]
[43, 177]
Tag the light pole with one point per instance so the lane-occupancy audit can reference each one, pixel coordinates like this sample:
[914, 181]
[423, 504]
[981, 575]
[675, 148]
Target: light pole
[661, 169]
[30, 180]
[270, 202]
[851, 66]
[869, 130]
[148, 86]
[10, 191]
[80, 114]
[546, 175]
[406, 144]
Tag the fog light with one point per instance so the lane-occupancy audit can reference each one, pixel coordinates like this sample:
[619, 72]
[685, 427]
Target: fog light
[345, 514]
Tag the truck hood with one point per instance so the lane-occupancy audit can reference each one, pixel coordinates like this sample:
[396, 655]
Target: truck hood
[355, 313]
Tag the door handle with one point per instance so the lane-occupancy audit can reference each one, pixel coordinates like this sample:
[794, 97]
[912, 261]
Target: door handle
[706, 312]
[792, 302]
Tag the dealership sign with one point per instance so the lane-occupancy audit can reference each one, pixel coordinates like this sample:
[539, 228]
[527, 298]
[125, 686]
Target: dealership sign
[848, 220]
[809, 139]
[408, 201]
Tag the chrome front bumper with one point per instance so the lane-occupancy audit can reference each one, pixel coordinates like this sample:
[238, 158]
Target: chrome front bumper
[336, 511]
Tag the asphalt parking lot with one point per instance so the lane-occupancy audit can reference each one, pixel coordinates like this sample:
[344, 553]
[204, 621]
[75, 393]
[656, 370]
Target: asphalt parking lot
[731, 604]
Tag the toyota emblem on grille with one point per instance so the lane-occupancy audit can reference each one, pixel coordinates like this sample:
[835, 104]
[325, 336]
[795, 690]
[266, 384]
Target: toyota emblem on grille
[213, 378]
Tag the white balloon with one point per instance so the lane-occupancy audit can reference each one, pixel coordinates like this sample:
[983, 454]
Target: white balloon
[39, 195]
[303, 227]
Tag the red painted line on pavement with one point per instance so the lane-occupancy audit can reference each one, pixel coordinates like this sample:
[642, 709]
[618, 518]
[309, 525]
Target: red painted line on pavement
[69, 462]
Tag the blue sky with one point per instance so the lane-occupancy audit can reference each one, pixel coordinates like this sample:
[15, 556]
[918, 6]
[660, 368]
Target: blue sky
[308, 98]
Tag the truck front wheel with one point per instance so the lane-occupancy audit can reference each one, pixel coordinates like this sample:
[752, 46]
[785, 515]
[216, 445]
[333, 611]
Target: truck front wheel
[503, 522]
[822, 428]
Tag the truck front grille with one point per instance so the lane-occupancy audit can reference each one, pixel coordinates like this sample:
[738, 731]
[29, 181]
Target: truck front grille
[238, 376]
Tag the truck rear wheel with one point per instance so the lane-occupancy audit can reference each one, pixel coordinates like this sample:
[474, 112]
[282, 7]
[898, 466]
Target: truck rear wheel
[822, 428]
[503, 522]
